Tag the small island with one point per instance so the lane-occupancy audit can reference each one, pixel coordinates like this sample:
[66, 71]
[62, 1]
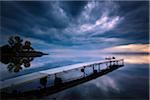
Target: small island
[17, 53]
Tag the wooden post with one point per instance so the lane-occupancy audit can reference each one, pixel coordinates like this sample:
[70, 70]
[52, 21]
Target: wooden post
[114, 62]
[55, 75]
[99, 67]
[109, 65]
[122, 62]
[93, 68]
[106, 64]
[84, 72]
[117, 62]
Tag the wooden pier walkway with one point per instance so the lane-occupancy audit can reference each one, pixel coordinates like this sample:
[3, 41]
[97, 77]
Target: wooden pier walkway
[111, 65]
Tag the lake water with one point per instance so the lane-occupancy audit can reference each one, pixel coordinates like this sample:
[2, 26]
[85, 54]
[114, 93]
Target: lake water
[128, 82]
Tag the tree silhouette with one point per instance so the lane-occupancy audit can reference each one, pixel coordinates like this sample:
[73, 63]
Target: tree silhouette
[15, 43]
[16, 53]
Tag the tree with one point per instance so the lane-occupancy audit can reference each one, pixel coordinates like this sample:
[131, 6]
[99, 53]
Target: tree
[15, 43]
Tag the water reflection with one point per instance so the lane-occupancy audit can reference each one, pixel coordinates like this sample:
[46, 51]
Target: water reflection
[135, 59]
[17, 54]
[128, 58]
[16, 63]
[130, 81]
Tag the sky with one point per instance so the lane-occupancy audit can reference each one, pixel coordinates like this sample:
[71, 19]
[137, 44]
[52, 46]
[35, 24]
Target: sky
[78, 27]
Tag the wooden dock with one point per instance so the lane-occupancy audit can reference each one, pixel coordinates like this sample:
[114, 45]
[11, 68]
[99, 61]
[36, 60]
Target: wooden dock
[111, 65]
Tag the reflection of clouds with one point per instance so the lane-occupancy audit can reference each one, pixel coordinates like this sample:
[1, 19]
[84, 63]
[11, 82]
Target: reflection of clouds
[131, 58]
[135, 59]
[39, 62]
[138, 59]
[130, 82]
[106, 83]
[85, 56]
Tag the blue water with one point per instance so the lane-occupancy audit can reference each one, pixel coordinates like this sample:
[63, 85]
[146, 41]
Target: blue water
[128, 82]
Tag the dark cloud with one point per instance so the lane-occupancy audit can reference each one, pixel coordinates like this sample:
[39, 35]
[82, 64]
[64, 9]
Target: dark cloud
[135, 24]
[73, 8]
[136, 16]
[129, 6]
[76, 23]
[23, 14]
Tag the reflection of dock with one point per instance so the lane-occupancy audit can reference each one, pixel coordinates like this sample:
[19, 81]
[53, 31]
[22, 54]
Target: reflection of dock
[59, 85]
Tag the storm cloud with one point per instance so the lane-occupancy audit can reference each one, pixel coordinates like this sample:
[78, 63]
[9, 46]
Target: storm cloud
[76, 25]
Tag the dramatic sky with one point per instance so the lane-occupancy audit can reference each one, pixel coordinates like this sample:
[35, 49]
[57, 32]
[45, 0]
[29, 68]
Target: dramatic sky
[75, 26]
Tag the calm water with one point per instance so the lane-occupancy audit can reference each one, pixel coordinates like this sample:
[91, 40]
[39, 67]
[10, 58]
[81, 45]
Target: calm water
[130, 81]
